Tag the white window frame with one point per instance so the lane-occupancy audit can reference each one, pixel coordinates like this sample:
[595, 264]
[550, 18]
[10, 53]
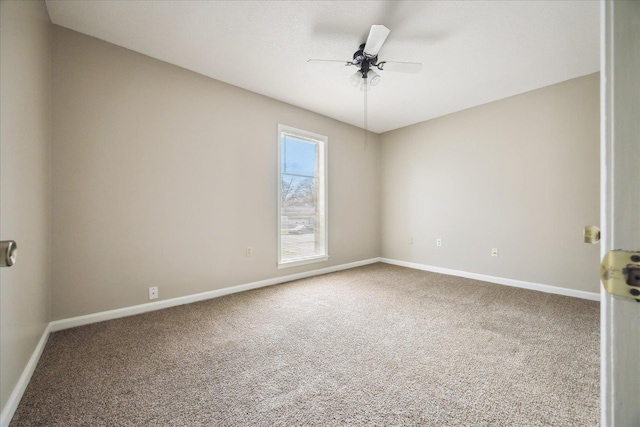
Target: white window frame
[323, 207]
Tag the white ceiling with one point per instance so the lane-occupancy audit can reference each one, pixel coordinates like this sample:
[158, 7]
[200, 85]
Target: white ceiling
[473, 52]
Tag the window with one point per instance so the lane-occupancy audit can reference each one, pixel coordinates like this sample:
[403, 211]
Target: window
[302, 197]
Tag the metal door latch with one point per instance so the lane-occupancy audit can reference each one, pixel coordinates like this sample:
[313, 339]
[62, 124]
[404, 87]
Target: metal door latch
[620, 273]
[8, 253]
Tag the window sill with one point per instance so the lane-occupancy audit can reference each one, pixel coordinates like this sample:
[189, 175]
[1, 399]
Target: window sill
[303, 261]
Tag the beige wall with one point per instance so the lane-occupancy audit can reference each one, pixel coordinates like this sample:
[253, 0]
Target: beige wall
[519, 174]
[25, 196]
[162, 177]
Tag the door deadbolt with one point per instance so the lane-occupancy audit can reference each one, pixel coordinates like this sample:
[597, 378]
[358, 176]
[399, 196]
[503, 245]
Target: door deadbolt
[8, 253]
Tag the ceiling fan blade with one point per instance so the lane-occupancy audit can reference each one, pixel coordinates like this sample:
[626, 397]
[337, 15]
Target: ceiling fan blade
[401, 67]
[320, 61]
[377, 36]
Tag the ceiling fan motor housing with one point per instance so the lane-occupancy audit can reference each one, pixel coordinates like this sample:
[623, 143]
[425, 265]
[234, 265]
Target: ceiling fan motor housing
[364, 61]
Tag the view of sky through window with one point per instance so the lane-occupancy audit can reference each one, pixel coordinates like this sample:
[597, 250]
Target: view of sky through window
[299, 157]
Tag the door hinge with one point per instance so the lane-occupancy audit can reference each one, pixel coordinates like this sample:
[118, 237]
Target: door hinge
[620, 273]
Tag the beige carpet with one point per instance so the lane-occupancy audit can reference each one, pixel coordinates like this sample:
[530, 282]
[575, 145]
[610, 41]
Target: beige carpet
[377, 345]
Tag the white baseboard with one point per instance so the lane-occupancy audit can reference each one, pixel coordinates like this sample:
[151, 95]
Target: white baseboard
[58, 325]
[499, 280]
[14, 399]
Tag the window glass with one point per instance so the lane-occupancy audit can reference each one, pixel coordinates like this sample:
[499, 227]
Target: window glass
[302, 207]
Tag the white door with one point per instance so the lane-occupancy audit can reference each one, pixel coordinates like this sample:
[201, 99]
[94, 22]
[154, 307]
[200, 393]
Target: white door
[620, 206]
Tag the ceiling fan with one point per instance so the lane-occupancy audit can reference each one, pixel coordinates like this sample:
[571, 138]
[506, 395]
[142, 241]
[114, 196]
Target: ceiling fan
[366, 58]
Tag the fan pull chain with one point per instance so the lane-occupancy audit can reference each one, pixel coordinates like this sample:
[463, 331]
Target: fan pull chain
[365, 116]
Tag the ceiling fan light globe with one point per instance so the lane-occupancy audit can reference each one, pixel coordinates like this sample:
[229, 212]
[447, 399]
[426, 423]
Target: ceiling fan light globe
[355, 79]
[374, 78]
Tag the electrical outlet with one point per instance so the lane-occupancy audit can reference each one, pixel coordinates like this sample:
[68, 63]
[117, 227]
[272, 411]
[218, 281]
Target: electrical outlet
[494, 251]
[249, 251]
[438, 242]
[153, 292]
